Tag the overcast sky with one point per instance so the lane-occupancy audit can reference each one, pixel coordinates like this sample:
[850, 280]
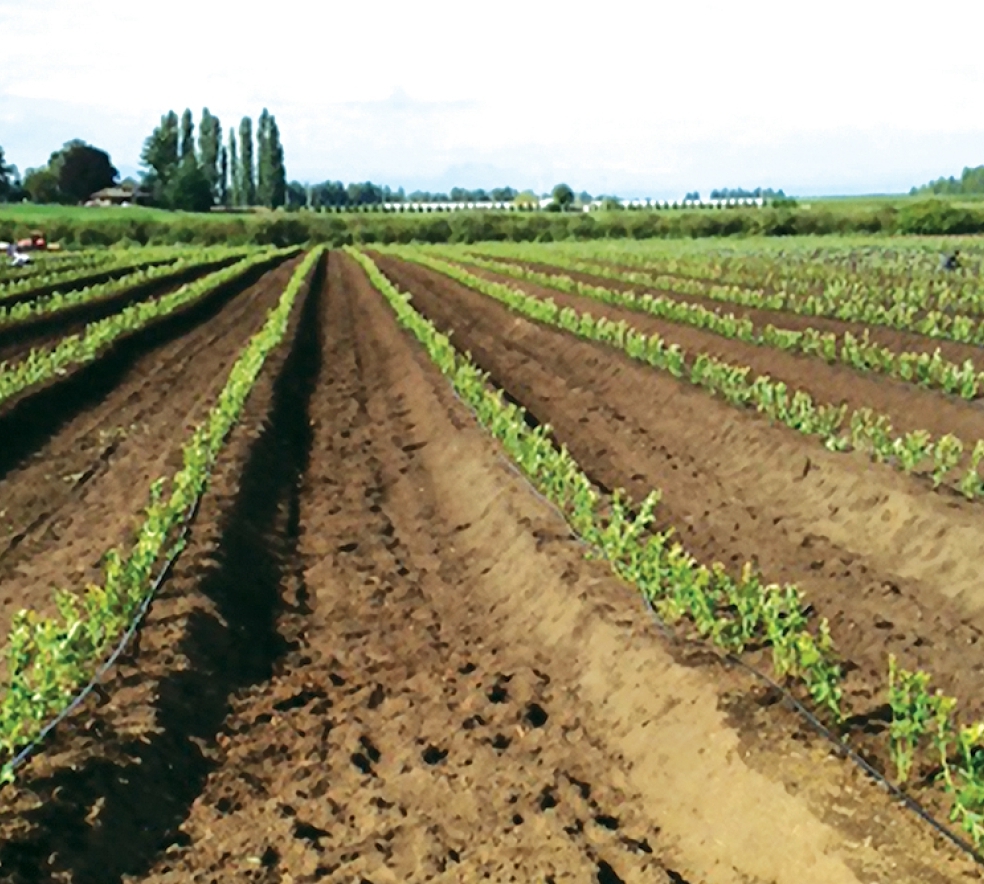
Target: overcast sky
[635, 98]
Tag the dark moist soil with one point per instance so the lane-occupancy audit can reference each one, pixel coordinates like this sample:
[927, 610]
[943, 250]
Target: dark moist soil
[382, 658]
[97, 277]
[889, 562]
[77, 475]
[897, 341]
[17, 339]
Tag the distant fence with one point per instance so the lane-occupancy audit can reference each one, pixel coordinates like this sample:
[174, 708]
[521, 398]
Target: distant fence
[542, 204]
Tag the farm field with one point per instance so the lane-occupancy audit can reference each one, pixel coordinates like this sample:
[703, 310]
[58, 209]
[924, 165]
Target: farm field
[383, 652]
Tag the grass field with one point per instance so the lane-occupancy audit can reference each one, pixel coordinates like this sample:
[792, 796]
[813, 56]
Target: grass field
[599, 561]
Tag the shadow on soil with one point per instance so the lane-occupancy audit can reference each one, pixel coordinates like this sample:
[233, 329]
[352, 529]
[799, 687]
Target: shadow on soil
[145, 790]
[35, 418]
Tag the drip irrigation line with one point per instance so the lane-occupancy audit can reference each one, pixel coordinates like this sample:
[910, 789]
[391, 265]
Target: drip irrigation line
[25, 754]
[842, 748]
[839, 745]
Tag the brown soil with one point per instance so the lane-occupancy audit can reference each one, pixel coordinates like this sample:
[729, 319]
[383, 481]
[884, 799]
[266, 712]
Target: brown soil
[81, 487]
[95, 278]
[383, 659]
[17, 339]
[908, 406]
[897, 341]
[889, 562]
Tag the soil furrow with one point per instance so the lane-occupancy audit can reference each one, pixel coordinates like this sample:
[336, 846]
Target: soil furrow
[897, 341]
[909, 407]
[452, 711]
[891, 564]
[19, 338]
[82, 490]
[107, 798]
[382, 658]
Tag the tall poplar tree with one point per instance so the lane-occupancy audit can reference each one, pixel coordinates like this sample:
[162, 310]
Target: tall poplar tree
[209, 145]
[264, 162]
[223, 191]
[278, 174]
[235, 182]
[247, 182]
[187, 135]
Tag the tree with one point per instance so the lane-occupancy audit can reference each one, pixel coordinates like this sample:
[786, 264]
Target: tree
[271, 176]
[209, 150]
[563, 196]
[503, 194]
[278, 184]
[160, 156]
[187, 135]
[41, 185]
[223, 191]
[297, 195]
[264, 161]
[8, 178]
[235, 182]
[189, 190]
[81, 170]
[247, 183]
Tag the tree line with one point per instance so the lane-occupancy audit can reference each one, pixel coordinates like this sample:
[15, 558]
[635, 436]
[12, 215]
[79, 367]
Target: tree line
[71, 175]
[182, 176]
[971, 180]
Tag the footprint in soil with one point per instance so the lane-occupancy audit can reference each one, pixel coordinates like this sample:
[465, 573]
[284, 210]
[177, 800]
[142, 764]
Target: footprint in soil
[536, 715]
[433, 755]
[607, 875]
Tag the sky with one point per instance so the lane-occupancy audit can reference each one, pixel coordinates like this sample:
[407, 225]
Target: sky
[630, 98]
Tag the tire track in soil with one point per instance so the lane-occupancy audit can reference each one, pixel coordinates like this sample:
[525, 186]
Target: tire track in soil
[111, 791]
[737, 489]
[470, 699]
[112, 429]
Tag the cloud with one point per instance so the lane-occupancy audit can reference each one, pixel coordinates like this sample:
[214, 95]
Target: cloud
[641, 100]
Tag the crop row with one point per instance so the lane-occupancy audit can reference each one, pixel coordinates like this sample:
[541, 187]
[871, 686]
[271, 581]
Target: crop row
[49, 304]
[859, 352]
[55, 262]
[833, 301]
[909, 275]
[57, 280]
[733, 614]
[43, 364]
[50, 658]
[865, 430]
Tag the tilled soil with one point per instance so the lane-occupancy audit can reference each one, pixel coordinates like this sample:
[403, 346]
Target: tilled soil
[81, 487]
[897, 341]
[909, 406]
[888, 561]
[382, 658]
[18, 338]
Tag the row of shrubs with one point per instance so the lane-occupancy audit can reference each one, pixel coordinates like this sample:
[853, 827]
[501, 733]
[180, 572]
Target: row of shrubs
[116, 228]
